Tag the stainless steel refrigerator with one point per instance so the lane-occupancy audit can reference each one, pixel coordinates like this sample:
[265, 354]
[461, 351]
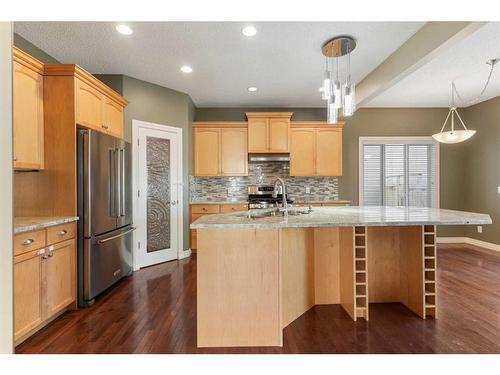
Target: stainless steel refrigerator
[105, 229]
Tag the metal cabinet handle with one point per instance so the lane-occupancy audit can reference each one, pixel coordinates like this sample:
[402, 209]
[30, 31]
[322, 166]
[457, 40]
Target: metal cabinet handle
[63, 232]
[174, 203]
[28, 241]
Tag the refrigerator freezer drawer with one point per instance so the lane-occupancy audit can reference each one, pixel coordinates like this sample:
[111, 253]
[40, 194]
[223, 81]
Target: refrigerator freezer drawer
[106, 259]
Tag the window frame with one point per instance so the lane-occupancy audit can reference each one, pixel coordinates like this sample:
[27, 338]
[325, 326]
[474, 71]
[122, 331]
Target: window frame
[397, 140]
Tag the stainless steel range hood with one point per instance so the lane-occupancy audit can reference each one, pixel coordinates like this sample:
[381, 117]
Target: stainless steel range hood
[268, 157]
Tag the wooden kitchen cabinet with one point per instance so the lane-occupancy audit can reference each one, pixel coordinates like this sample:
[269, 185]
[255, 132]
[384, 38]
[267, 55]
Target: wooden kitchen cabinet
[27, 292]
[59, 275]
[302, 152]
[96, 106]
[220, 151]
[44, 278]
[316, 150]
[234, 154]
[113, 117]
[88, 106]
[329, 152]
[269, 132]
[28, 112]
[206, 152]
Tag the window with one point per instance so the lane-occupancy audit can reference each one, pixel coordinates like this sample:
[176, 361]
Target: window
[398, 171]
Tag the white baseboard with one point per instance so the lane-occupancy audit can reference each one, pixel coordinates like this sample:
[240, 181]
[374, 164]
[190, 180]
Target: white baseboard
[469, 241]
[185, 254]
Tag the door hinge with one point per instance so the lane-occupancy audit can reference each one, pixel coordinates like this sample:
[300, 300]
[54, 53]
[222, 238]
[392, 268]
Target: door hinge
[139, 244]
[137, 142]
[138, 193]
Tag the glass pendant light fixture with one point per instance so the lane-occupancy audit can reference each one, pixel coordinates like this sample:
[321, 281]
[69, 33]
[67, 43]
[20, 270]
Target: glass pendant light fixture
[457, 136]
[453, 136]
[339, 97]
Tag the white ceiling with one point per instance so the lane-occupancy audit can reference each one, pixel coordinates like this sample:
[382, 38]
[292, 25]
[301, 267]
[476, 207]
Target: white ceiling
[430, 86]
[283, 60]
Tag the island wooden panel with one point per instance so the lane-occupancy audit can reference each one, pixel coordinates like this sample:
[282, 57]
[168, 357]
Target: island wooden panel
[297, 272]
[238, 288]
[326, 266]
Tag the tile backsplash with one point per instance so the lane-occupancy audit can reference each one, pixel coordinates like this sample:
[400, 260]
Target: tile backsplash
[264, 173]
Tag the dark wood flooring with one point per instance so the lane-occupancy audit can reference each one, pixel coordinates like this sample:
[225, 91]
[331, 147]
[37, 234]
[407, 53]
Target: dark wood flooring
[154, 311]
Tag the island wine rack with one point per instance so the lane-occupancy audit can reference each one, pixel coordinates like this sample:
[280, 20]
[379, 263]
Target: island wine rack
[361, 273]
[429, 266]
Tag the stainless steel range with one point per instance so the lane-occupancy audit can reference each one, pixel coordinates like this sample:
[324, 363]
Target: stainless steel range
[262, 196]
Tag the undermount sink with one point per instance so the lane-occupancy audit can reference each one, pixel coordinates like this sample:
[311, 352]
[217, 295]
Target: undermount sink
[259, 215]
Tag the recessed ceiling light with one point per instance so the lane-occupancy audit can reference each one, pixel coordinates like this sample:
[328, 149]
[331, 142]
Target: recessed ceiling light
[252, 89]
[186, 69]
[249, 31]
[124, 29]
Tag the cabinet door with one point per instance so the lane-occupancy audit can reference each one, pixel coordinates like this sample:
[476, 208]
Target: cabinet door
[206, 156]
[113, 117]
[59, 272]
[234, 154]
[28, 118]
[329, 152]
[89, 106]
[302, 152]
[27, 293]
[258, 135]
[279, 133]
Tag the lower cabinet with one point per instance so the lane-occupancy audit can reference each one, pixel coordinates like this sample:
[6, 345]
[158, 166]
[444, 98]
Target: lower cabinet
[198, 210]
[27, 292]
[44, 286]
[59, 277]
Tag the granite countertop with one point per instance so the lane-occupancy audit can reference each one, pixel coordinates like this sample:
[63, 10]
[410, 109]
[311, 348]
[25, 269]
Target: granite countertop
[28, 224]
[219, 201]
[344, 216]
[319, 201]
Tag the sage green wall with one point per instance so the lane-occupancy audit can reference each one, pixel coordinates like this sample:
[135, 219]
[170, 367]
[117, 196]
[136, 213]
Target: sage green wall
[378, 122]
[33, 50]
[482, 167]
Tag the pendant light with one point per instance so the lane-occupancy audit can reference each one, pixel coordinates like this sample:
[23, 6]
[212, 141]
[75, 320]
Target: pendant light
[453, 136]
[457, 136]
[339, 97]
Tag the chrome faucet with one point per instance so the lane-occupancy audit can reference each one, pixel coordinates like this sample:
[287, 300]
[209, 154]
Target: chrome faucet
[283, 193]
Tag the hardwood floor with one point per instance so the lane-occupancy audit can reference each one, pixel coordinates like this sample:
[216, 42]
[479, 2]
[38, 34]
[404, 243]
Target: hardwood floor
[154, 311]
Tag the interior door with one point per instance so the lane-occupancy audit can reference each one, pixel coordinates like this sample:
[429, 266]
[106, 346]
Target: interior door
[158, 182]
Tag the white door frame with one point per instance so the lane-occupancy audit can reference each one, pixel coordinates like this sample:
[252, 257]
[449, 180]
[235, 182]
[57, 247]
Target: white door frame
[136, 125]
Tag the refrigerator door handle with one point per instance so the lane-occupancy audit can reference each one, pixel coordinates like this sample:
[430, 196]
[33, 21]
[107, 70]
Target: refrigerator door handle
[117, 236]
[112, 190]
[122, 182]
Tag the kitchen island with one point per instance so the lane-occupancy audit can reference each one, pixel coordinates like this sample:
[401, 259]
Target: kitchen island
[257, 271]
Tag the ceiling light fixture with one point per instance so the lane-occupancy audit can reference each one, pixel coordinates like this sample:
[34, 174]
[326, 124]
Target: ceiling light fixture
[252, 89]
[186, 69]
[124, 29]
[249, 31]
[457, 136]
[338, 96]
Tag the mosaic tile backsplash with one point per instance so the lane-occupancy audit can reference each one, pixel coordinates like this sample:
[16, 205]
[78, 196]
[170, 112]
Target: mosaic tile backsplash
[235, 188]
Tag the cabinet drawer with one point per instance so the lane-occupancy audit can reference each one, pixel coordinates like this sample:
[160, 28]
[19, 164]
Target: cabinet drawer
[233, 207]
[60, 233]
[30, 241]
[205, 208]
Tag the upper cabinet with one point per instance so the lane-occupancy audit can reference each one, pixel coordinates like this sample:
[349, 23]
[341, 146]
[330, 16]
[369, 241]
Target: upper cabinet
[269, 132]
[220, 149]
[28, 112]
[315, 149]
[96, 105]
